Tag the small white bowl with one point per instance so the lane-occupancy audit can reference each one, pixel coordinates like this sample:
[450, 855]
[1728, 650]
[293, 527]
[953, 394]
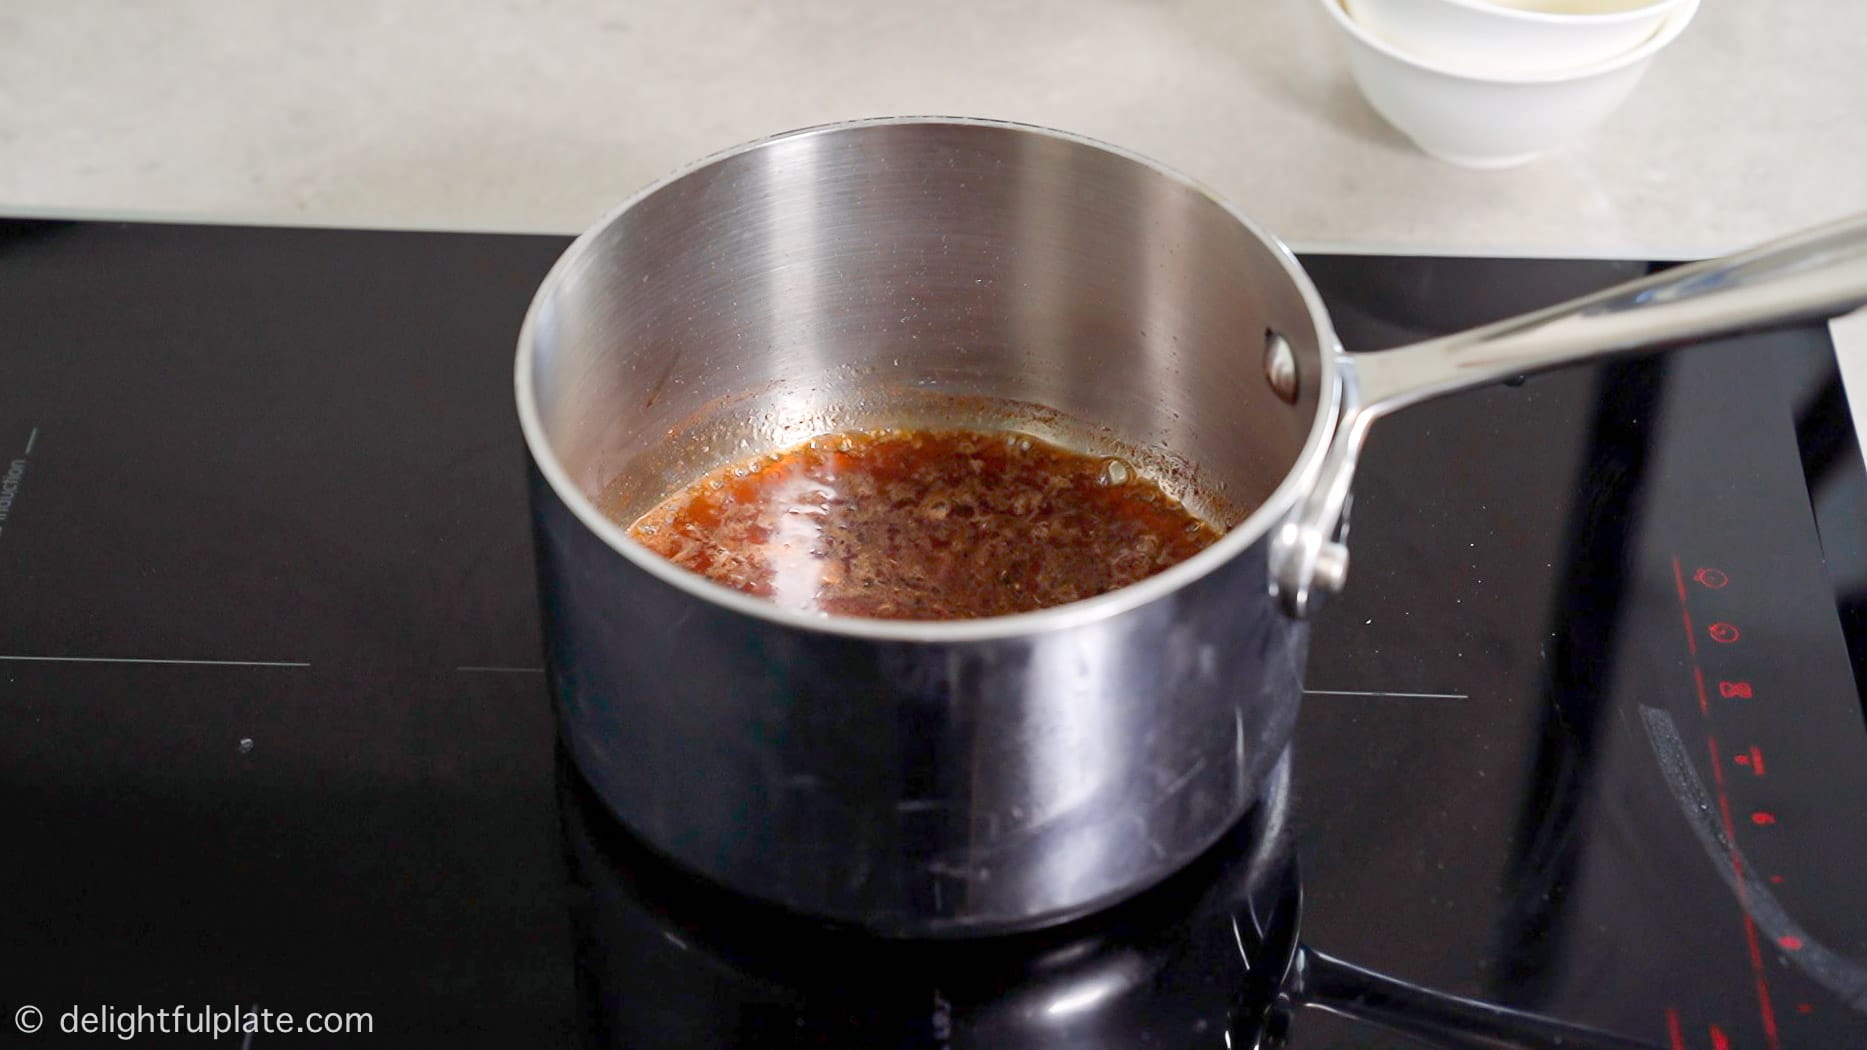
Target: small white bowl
[1575, 7]
[1494, 37]
[1499, 120]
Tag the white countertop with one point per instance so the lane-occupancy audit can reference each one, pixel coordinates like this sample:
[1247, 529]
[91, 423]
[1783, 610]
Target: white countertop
[539, 114]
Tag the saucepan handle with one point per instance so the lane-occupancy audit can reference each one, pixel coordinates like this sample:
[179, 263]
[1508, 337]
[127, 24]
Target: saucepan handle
[1817, 274]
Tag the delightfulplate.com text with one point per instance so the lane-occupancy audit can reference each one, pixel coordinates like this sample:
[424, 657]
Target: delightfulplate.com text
[127, 1023]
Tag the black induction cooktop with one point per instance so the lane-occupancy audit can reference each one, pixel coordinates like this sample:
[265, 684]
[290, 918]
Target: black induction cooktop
[1584, 738]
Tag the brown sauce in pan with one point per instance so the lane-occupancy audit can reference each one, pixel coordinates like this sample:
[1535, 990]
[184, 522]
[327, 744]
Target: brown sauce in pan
[924, 525]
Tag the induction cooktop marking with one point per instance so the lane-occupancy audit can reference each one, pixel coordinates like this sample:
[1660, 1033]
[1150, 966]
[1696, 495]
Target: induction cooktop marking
[1675, 1037]
[31, 440]
[504, 670]
[146, 660]
[1393, 696]
[1719, 1041]
[1740, 880]
[1752, 759]
[1685, 611]
[1840, 975]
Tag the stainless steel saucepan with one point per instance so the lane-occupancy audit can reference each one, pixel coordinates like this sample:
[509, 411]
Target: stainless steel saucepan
[938, 779]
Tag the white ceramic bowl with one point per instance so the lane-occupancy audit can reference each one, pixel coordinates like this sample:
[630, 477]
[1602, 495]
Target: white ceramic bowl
[1575, 7]
[1498, 120]
[1500, 37]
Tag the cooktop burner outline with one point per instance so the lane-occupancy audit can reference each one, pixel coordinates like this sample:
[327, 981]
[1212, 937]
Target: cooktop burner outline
[1382, 694]
[34, 659]
[1366, 693]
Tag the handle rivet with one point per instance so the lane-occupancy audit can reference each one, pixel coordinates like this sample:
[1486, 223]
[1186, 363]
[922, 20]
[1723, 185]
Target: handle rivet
[1331, 571]
[1280, 366]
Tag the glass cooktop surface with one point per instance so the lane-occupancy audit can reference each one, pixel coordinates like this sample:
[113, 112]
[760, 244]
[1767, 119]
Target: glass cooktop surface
[1583, 738]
